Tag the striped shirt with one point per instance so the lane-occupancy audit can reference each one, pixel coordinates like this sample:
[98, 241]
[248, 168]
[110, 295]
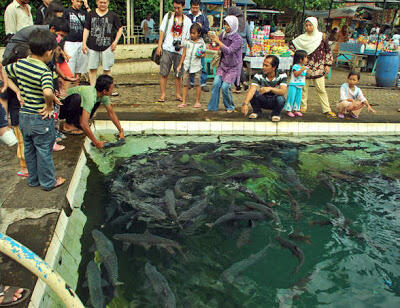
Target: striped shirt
[262, 80]
[32, 76]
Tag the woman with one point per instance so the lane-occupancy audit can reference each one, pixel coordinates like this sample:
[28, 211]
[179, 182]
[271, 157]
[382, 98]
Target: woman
[316, 45]
[230, 44]
[245, 32]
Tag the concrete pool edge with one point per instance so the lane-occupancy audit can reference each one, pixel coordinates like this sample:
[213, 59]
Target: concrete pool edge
[251, 128]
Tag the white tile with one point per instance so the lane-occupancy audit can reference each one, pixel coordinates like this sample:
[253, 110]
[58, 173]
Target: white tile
[226, 128]
[304, 128]
[288, 128]
[147, 127]
[397, 128]
[248, 127]
[205, 128]
[237, 128]
[125, 125]
[100, 124]
[259, 128]
[363, 128]
[182, 127]
[390, 128]
[110, 125]
[323, 128]
[135, 126]
[215, 128]
[193, 127]
[271, 128]
[158, 127]
[334, 128]
[170, 127]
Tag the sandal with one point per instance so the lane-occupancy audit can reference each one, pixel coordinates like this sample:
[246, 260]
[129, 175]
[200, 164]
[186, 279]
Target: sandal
[182, 105]
[59, 182]
[23, 174]
[8, 296]
[197, 106]
[179, 99]
[161, 100]
[58, 147]
[330, 115]
[253, 116]
[276, 118]
[230, 110]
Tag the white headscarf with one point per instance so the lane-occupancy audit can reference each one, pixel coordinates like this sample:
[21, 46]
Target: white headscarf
[233, 23]
[309, 42]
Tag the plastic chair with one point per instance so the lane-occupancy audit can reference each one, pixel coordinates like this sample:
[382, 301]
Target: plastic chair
[211, 71]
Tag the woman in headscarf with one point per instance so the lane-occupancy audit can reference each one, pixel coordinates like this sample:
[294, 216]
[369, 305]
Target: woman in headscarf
[319, 53]
[230, 44]
[245, 33]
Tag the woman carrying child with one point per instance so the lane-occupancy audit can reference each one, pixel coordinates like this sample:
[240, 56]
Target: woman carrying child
[297, 82]
[352, 99]
[193, 50]
[230, 43]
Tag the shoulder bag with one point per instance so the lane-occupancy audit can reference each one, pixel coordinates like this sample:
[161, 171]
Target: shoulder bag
[154, 57]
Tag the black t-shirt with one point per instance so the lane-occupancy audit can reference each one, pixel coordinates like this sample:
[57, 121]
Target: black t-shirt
[102, 30]
[76, 20]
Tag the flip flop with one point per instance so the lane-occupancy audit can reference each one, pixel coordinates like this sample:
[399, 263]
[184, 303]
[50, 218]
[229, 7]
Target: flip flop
[179, 99]
[182, 105]
[253, 116]
[23, 174]
[58, 147]
[197, 106]
[59, 182]
[161, 100]
[9, 294]
[73, 132]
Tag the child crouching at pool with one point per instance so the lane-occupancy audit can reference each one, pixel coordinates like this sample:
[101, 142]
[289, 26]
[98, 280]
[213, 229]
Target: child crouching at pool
[352, 99]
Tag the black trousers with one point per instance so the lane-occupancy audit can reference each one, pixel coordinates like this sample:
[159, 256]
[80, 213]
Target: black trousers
[243, 75]
[265, 101]
[71, 110]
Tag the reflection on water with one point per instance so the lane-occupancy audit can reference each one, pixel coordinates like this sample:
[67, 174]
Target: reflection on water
[248, 222]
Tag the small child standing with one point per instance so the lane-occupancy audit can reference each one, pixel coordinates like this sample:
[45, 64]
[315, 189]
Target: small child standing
[297, 82]
[193, 50]
[352, 99]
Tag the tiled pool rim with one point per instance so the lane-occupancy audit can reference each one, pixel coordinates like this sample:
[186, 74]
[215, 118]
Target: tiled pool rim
[43, 297]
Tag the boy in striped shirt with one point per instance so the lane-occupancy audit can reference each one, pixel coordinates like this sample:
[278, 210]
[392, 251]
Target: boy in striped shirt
[36, 122]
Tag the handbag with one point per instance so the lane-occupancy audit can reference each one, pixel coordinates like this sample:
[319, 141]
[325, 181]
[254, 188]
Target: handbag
[154, 57]
[216, 59]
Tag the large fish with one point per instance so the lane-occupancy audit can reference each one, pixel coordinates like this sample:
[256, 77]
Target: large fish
[328, 183]
[292, 178]
[179, 191]
[108, 257]
[194, 211]
[294, 249]
[248, 192]
[294, 207]
[93, 276]
[233, 216]
[147, 240]
[170, 203]
[267, 211]
[161, 287]
[237, 268]
[148, 210]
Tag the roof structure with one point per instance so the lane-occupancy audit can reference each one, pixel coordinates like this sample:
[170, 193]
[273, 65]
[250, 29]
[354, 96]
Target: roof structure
[347, 11]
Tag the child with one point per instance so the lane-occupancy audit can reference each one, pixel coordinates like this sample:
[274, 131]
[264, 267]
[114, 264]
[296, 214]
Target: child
[36, 121]
[297, 82]
[352, 99]
[193, 51]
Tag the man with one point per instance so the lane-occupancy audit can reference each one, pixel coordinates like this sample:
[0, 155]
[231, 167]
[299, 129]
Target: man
[195, 15]
[147, 27]
[100, 40]
[81, 104]
[267, 91]
[17, 16]
[76, 16]
[41, 12]
[171, 51]
[57, 26]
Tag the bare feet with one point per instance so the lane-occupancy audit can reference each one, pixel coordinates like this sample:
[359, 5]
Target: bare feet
[17, 294]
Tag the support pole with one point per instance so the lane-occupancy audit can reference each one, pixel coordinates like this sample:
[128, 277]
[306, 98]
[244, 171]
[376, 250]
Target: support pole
[128, 21]
[380, 30]
[329, 14]
[40, 268]
[222, 16]
[303, 13]
[245, 12]
[161, 11]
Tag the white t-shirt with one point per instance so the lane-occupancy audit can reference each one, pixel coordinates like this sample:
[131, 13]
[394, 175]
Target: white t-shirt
[167, 45]
[150, 23]
[396, 40]
[346, 92]
[192, 62]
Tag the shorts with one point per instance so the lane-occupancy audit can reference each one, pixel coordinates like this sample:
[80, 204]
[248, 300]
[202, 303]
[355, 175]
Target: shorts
[79, 61]
[106, 58]
[343, 105]
[196, 79]
[169, 59]
[65, 69]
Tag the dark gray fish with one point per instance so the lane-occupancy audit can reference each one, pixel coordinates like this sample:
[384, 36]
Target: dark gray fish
[267, 211]
[248, 192]
[148, 210]
[93, 276]
[300, 237]
[294, 207]
[202, 148]
[170, 203]
[151, 186]
[244, 237]
[124, 219]
[148, 240]
[237, 268]
[118, 143]
[108, 257]
[292, 178]
[294, 249]
[237, 217]
[179, 191]
[320, 223]
[160, 286]
[328, 183]
[194, 211]
[244, 176]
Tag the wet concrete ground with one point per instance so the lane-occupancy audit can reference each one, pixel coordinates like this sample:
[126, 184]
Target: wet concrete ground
[29, 215]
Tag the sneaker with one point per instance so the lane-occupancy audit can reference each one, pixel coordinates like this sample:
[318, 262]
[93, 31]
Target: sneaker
[298, 114]
[205, 89]
[290, 114]
[276, 118]
[340, 115]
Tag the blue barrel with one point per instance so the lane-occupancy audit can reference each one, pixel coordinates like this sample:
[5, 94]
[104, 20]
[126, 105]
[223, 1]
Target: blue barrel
[386, 69]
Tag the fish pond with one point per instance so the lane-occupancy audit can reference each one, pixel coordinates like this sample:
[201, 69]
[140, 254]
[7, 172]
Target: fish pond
[243, 222]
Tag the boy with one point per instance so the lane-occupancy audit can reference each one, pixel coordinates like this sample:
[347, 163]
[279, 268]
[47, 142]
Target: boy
[352, 99]
[81, 104]
[193, 52]
[36, 115]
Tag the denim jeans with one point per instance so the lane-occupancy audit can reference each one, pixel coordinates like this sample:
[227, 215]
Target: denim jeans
[39, 136]
[271, 102]
[203, 78]
[226, 94]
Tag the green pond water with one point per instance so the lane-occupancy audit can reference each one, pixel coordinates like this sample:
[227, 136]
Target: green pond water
[351, 264]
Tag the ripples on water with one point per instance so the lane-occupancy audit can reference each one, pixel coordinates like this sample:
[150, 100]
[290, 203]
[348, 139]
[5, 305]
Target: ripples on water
[344, 267]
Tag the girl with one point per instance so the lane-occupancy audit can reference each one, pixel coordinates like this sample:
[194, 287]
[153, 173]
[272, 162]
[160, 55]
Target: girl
[297, 82]
[194, 50]
[230, 43]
